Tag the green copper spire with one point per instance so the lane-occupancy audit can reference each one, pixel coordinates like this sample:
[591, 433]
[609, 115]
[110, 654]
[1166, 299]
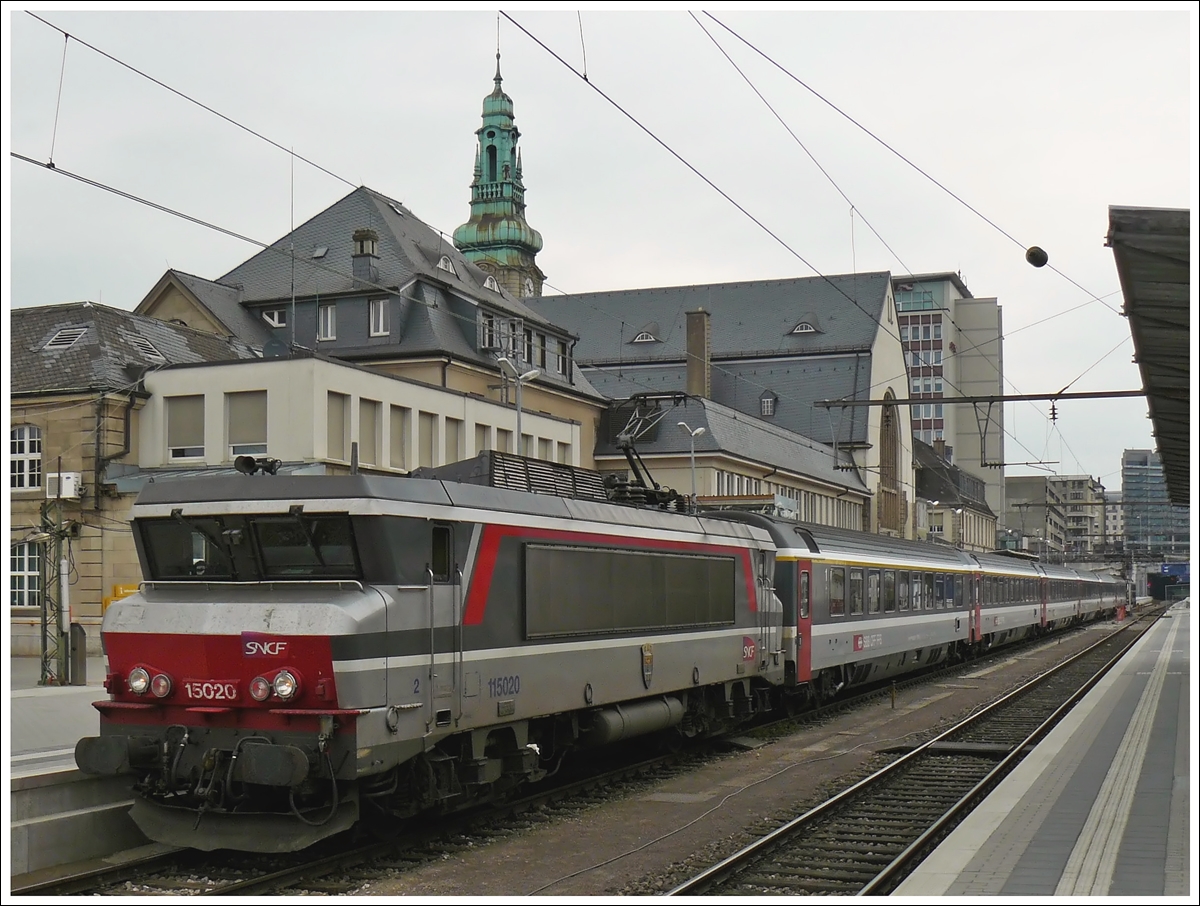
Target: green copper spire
[497, 238]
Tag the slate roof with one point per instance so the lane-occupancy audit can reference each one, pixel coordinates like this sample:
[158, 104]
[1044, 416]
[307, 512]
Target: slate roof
[754, 351]
[747, 319]
[225, 303]
[733, 432]
[936, 480]
[407, 248]
[110, 354]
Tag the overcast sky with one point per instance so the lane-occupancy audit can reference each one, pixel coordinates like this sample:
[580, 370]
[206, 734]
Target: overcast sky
[1039, 119]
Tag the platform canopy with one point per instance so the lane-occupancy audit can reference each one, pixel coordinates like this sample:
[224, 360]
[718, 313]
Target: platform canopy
[1152, 251]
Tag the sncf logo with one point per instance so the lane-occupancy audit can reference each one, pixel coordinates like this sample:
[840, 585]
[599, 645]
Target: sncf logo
[748, 648]
[257, 645]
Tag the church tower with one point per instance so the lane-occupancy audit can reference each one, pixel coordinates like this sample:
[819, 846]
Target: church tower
[496, 238]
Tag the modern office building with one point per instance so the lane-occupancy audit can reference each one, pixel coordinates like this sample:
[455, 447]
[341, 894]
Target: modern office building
[1154, 529]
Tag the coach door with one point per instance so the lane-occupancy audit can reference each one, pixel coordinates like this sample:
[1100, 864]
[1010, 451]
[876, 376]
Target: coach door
[804, 622]
[977, 608]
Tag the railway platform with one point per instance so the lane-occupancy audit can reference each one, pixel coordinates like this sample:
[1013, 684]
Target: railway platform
[1103, 806]
[57, 814]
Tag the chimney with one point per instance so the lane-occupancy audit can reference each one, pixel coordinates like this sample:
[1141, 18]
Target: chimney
[364, 256]
[699, 354]
[939, 447]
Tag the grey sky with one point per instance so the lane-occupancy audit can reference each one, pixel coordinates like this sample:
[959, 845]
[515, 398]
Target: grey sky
[1039, 118]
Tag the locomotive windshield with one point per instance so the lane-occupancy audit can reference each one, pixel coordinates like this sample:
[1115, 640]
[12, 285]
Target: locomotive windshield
[249, 548]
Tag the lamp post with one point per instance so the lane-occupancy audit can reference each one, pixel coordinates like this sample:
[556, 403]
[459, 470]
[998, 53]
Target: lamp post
[692, 435]
[510, 369]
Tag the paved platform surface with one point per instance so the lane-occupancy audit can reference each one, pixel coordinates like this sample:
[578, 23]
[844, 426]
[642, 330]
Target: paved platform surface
[1104, 806]
[44, 722]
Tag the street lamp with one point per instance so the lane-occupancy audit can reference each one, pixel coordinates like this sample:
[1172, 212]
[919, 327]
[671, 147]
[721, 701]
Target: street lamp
[692, 435]
[510, 369]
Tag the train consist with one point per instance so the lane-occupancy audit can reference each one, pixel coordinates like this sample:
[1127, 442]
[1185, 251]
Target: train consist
[308, 651]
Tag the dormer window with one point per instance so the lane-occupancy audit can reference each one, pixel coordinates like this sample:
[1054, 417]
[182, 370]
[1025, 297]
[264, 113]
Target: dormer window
[766, 404]
[490, 283]
[804, 327]
[645, 337]
[446, 265]
[276, 317]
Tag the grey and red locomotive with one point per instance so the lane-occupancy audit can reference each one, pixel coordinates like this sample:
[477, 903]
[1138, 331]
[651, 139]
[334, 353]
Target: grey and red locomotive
[305, 651]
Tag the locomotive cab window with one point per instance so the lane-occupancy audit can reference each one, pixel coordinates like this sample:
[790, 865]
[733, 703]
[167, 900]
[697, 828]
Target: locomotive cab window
[318, 547]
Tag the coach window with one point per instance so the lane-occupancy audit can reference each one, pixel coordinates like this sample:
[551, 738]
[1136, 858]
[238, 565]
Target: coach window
[873, 591]
[804, 594]
[837, 591]
[917, 584]
[856, 591]
[902, 589]
[928, 595]
[442, 550]
[889, 590]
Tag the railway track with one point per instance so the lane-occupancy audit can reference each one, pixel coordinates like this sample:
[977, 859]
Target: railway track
[865, 839]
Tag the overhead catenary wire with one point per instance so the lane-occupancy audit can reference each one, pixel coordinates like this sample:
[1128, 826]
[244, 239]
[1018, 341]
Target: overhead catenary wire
[323, 169]
[964, 203]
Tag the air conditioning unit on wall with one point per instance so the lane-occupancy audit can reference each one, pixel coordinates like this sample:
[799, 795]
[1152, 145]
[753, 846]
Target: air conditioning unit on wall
[67, 485]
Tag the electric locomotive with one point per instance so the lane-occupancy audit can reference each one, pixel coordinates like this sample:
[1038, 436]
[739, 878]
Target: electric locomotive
[305, 651]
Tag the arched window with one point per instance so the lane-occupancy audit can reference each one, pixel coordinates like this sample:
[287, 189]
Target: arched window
[804, 327]
[491, 163]
[645, 337]
[490, 283]
[25, 467]
[445, 264]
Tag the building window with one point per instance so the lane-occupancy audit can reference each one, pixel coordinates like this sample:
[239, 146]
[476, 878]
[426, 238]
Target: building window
[804, 327]
[185, 427]
[561, 359]
[645, 337]
[379, 317]
[399, 435]
[766, 405]
[25, 465]
[337, 426]
[444, 264]
[490, 283]
[25, 580]
[488, 338]
[246, 420]
[903, 334]
[937, 357]
[541, 350]
[368, 432]
[528, 337]
[937, 331]
[916, 360]
[327, 322]
[276, 317]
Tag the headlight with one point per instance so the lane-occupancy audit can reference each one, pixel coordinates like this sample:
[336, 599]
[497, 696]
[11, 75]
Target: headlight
[260, 689]
[161, 685]
[139, 680]
[285, 684]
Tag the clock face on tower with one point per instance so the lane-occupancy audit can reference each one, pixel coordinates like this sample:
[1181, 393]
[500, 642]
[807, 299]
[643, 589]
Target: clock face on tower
[528, 287]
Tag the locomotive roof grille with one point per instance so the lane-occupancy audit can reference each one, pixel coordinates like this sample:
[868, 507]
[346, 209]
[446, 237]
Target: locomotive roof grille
[494, 469]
